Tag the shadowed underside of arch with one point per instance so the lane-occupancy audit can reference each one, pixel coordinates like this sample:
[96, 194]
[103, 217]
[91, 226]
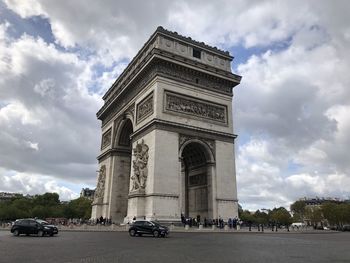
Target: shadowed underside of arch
[126, 131]
[195, 176]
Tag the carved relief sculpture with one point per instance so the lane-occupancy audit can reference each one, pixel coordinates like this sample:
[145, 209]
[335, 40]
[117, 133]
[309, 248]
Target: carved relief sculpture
[99, 192]
[106, 139]
[139, 177]
[194, 107]
[145, 108]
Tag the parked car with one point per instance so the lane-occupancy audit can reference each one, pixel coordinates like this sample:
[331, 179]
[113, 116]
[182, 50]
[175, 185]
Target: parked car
[144, 227]
[346, 228]
[31, 226]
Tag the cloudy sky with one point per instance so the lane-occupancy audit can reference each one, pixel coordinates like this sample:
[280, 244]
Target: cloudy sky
[291, 110]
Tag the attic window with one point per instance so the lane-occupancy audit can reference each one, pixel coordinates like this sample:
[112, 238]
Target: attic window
[196, 53]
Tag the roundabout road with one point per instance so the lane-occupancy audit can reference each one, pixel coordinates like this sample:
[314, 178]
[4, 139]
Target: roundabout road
[179, 247]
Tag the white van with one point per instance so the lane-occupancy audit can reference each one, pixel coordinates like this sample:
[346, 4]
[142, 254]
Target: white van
[298, 224]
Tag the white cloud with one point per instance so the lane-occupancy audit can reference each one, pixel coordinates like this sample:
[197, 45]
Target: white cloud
[48, 114]
[45, 87]
[28, 183]
[292, 106]
[25, 8]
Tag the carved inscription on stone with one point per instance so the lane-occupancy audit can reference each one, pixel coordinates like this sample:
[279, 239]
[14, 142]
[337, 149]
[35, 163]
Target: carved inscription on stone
[145, 108]
[99, 192]
[195, 107]
[139, 164]
[106, 139]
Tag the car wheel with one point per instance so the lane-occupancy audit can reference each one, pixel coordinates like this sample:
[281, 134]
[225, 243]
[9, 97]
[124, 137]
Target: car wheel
[156, 233]
[40, 233]
[51, 234]
[132, 232]
[16, 233]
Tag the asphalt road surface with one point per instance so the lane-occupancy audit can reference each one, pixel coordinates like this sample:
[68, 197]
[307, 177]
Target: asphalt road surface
[92, 247]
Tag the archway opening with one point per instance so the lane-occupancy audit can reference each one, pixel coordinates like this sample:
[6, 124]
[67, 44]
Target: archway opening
[196, 181]
[123, 168]
[126, 131]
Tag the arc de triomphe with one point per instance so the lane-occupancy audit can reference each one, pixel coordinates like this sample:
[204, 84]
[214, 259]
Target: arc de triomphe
[167, 135]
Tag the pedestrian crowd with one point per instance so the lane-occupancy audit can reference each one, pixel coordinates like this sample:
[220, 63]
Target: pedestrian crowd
[207, 222]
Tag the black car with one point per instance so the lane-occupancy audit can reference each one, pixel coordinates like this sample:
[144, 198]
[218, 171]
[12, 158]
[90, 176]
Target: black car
[145, 227]
[346, 228]
[31, 226]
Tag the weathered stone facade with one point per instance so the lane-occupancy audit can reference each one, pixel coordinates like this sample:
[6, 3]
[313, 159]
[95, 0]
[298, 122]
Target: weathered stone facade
[168, 145]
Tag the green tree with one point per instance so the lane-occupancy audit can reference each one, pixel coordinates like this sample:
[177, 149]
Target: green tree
[298, 210]
[246, 216]
[261, 217]
[47, 199]
[314, 214]
[78, 208]
[281, 216]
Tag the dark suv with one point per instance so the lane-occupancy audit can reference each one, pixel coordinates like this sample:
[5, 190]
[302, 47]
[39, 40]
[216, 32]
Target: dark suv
[148, 228]
[33, 226]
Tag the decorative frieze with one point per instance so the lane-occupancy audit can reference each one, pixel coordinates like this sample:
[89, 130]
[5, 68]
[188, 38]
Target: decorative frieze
[169, 70]
[106, 139]
[195, 107]
[145, 108]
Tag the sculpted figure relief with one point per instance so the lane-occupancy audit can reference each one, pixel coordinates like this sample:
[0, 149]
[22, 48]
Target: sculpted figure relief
[145, 108]
[99, 192]
[195, 108]
[139, 176]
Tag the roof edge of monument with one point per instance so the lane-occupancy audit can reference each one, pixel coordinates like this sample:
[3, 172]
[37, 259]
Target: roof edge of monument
[164, 31]
[194, 42]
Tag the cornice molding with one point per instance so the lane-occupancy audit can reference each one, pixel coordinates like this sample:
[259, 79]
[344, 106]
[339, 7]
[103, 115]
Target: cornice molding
[114, 152]
[158, 66]
[184, 130]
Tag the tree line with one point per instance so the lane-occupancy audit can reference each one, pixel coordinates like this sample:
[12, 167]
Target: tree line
[334, 214]
[329, 213]
[44, 206]
[276, 216]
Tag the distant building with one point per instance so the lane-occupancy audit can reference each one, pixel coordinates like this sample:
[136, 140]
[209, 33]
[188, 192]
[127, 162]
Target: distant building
[318, 201]
[5, 196]
[87, 193]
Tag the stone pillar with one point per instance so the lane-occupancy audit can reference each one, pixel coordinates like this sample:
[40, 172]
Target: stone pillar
[119, 189]
[212, 196]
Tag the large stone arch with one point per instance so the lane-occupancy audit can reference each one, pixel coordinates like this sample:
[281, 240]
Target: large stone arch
[176, 94]
[197, 161]
[120, 174]
[208, 146]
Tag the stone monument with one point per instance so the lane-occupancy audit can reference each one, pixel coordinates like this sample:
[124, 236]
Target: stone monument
[167, 143]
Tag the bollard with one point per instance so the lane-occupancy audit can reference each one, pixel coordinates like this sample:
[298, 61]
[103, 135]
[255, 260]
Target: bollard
[226, 228]
[187, 227]
[200, 227]
[213, 227]
[238, 227]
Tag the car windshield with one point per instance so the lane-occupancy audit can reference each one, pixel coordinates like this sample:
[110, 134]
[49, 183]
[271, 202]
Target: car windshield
[42, 222]
[155, 223]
